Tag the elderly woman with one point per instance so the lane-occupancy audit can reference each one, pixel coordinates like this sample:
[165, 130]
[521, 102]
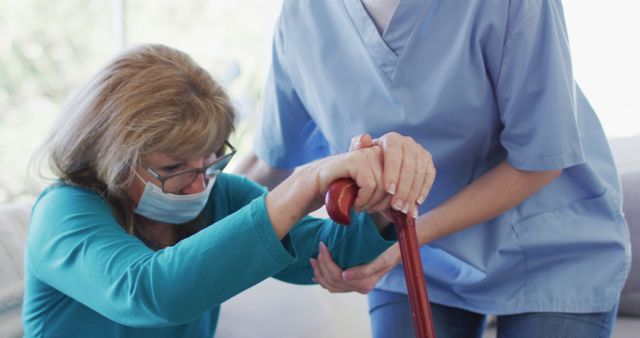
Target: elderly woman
[143, 236]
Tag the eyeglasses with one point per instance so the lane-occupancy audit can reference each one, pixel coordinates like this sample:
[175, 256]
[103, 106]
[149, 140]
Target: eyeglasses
[175, 182]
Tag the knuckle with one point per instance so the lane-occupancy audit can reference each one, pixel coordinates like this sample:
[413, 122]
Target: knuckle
[428, 161]
[371, 153]
[409, 140]
[367, 153]
[370, 184]
[402, 194]
[410, 167]
[432, 173]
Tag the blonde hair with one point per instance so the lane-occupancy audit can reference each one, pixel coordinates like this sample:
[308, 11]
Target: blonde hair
[151, 98]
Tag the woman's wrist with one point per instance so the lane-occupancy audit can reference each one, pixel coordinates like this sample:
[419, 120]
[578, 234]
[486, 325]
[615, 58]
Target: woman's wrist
[292, 199]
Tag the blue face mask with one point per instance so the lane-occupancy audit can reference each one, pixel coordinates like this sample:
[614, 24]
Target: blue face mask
[169, 208]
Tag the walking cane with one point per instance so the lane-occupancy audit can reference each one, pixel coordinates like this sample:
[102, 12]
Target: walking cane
[339, 200]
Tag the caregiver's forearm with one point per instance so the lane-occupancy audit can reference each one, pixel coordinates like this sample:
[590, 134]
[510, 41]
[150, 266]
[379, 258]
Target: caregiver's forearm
[497, 191]
[255, 169]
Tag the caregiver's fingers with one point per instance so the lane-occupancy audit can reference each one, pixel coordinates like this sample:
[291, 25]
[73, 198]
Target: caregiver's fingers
[413, 198]
[408, 168]
[401, 200]
[323, 275]
[331, 270]
[328, 274]
[360, 141]
[369, 274]
[319, 278]
[382, 205]
[429, 178]
[391, 144]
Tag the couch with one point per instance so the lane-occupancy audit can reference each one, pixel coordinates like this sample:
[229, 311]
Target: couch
[277, 309]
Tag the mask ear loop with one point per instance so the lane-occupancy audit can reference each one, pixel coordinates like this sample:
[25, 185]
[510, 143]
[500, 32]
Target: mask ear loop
[145, 181]
[140, 177]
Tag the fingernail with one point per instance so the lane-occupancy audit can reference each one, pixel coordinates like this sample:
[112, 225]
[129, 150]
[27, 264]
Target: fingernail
[391, 188]
[421, 199]
[405, 208]
[415, 213]
[398, 205]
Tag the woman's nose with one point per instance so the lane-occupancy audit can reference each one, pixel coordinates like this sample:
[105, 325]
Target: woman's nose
[197, 185]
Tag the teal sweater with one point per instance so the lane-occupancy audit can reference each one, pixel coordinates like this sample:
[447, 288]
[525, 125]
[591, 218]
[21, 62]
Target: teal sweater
[86, 277]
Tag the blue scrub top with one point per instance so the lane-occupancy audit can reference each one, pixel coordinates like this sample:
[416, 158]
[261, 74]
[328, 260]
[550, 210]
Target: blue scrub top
[476, 83]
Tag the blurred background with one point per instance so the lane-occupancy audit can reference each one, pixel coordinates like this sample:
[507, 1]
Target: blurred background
[49, 48]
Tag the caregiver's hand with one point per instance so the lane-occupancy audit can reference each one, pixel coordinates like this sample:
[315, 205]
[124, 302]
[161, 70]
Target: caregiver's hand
[408, 172]
[364, 166]
[304, 191]
[361, 278]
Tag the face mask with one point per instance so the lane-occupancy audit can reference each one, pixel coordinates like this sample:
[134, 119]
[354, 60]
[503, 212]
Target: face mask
[169, 208]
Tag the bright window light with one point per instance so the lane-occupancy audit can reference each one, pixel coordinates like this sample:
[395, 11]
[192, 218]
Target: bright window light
[605, 45]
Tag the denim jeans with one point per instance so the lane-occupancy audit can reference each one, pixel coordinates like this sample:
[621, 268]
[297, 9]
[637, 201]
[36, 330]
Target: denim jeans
[391, 318]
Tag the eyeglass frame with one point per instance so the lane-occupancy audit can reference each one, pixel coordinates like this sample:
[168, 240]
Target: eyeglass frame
[203, 170]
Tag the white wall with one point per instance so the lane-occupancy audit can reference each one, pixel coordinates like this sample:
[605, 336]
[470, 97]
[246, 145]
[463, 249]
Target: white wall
[605, 44]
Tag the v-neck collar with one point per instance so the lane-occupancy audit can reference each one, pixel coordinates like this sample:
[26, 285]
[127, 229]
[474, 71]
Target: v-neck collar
[385, 49]
[402, 23]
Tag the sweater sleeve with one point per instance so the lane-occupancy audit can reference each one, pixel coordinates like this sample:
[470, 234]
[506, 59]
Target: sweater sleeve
[349, 246]
[76, 246]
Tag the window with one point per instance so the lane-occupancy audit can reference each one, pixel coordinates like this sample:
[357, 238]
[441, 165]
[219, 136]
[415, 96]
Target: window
[48, 48]
[604, 39]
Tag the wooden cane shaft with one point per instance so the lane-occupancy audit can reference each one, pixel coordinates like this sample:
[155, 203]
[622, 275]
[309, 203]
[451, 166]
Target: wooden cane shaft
[414, 275]
[342, 190]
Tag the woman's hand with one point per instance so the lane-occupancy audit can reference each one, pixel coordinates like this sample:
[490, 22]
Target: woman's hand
[361, 278]
[408, 171]
[376, 166]
[364, 166]
[303, 191]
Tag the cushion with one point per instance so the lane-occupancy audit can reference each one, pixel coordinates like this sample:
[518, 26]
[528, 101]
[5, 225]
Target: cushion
[13, 233]
[630, 297]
